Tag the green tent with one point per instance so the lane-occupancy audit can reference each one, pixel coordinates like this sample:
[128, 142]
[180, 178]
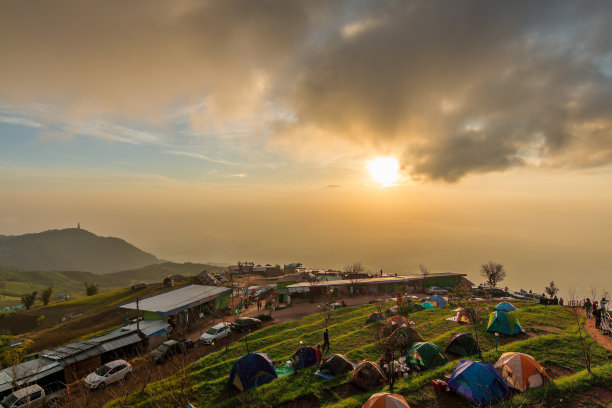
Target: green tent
[462, 344]
[428, 305]
[425, 355]
[504, 323]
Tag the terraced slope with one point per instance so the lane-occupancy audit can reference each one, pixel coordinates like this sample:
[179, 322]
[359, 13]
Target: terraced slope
[551, 338]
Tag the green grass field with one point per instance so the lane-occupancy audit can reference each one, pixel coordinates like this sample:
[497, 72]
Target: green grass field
[552, 339]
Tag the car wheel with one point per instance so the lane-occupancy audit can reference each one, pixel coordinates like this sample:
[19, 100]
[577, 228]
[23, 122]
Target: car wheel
[51, 404]
[127, 375]
[102, 386]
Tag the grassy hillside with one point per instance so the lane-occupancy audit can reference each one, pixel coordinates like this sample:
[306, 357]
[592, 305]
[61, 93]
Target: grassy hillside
[552, 339]
[70, 249]
[71, 282]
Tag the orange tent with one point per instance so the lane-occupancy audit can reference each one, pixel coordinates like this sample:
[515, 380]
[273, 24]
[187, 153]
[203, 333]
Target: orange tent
[393, 323]
[521, 371]
[386, 400]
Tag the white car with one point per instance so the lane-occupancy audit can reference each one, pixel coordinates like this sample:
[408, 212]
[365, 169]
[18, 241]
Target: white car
[434, 290]
[108, 374]
[216, 332]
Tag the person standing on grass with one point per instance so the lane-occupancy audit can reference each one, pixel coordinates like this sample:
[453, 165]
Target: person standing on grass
[597, 315]
[587, 308]
[325, 340]
[604, 304]
[319, 354]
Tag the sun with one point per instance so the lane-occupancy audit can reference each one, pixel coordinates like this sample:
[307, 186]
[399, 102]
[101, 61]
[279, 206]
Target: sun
[384, 170]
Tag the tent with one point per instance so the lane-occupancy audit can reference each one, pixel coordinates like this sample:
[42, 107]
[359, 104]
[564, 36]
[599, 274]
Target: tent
[428, 305]
[404, 337]
[375, 317]
[392, 311]
[335, 364]
[462, 344]
[252, 370]
[386, 400]
[417, 307]
[440, 302]
[478, 382]
[521, 371]
[461, 317]
[505, 307]
[368, 375]
[393, 323]
[305, 357]
[425, 355]
[504, 323]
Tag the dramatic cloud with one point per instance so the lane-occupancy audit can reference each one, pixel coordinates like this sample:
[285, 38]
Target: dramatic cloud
[453, 88]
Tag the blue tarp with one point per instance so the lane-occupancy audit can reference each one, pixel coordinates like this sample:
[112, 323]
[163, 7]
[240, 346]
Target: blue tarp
[505, 307]
[305, 357]
[440, 302]
[252, 370]
[478, 381]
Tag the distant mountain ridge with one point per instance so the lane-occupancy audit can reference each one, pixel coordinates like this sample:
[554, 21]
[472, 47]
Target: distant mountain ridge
[71, 249]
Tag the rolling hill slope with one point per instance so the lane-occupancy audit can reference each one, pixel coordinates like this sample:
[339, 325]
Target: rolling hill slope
[71, 249]
[551, 338]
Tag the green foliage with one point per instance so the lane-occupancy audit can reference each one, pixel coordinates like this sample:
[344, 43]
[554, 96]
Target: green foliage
[91, 288]
[40, 320]
[45, 295]
[28, 299]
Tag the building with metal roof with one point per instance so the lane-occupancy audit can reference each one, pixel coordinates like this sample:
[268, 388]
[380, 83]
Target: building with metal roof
[181, 300]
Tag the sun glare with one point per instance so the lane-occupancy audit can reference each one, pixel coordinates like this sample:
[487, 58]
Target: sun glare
[384, 170]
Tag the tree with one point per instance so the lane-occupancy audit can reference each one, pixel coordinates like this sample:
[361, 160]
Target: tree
[28, 299]
[91, 288]
[593, 291]
[424, 270]
[45, 295]
[352, 272]
[494, 272]
[551, 290]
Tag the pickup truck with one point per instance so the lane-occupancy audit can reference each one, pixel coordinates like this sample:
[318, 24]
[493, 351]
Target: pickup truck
[34, 396]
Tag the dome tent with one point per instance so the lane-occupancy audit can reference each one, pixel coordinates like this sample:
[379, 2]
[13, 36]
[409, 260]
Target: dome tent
[335, 364]
[505, 307]
[504, 323]
[305, 357]
[462, 344]
[478, 382]
[375, 317]
[521, 371]
[386, 400]
[425, 355]
[428, 305]
[252, 370]
[439, 300]
[368, 375]
[393, 323]
[462, 316]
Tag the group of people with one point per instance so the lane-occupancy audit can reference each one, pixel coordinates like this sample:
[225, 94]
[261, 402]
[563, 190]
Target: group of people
[319, 350]
[596, 310]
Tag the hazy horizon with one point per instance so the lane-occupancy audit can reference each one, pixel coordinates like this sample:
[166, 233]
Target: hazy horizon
[391, 133]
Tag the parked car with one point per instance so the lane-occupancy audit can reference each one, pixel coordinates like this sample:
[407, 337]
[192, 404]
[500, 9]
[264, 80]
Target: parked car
[35, 396]
[245, 323]
[434, 290]
[166, 350]
[216, 332]
[108, 374]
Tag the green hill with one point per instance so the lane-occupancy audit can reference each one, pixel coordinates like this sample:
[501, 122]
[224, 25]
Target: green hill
[71, 282]
[71, 249]
[552, 338]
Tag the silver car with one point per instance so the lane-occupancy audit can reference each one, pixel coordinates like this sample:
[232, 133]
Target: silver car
[108, 374]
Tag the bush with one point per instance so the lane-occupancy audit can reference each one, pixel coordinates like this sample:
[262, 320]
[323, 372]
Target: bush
[265, 318]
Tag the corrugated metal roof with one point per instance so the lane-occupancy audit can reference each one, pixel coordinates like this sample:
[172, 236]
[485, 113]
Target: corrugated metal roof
[27, 372]
[147, 327]
[177, 300]
[125, 340]
[78, 351]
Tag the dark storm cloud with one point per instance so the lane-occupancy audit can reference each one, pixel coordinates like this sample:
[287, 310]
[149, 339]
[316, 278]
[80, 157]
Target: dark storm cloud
[456, 87]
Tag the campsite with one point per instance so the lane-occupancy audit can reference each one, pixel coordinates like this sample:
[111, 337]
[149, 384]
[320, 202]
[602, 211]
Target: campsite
[550, 336]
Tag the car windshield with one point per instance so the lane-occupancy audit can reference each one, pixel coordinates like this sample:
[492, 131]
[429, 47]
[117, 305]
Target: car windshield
[211, 331]
[103, 370]
[8, 401]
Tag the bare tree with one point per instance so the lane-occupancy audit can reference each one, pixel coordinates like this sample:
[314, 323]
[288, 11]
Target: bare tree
[424, 270]
[551, 290]
[353, 272]
[494, 272]
[594, 292]
[586, 351]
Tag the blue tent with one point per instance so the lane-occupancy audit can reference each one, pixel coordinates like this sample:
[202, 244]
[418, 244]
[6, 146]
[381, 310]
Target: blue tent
[478, 381]
[305, 357]
[505, 307]
[440, 302]
[504, 323]
[252, 370]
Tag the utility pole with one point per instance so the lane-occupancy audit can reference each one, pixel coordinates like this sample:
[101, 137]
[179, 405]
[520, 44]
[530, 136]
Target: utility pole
[137, 315]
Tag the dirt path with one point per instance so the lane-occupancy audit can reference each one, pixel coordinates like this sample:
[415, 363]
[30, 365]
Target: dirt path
[596, 334]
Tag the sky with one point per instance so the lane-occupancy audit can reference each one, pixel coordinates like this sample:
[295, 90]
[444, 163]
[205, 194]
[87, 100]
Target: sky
[245, 130]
